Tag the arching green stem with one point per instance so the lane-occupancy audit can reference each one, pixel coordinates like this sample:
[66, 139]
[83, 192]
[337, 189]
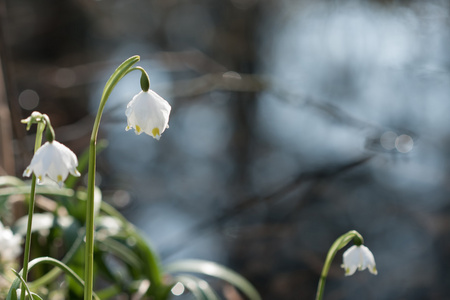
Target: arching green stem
[26, 256]
[145, 80]
[118, 74]
[50, 132]
[340, 243]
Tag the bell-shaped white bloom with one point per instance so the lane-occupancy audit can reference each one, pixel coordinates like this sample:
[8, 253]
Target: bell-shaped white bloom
[53, 160]
[10, 244]
[358, 257]
[148, 112]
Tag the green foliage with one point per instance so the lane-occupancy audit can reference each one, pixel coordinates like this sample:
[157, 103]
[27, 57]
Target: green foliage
[214, 270]
[123, 258]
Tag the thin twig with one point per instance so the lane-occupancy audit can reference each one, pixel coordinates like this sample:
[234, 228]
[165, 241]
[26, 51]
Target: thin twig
[185, 237]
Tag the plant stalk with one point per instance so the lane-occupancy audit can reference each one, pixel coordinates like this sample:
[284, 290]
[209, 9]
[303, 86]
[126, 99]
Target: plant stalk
[340, 243]
[119, 73]
[26, 256]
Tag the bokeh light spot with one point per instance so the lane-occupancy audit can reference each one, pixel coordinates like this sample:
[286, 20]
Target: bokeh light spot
[178, 289]
[121, 198]
[387, 140]
[28, 99]
[404, 143]
[64, 78]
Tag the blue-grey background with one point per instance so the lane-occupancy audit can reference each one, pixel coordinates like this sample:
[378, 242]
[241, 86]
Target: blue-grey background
[293, 122]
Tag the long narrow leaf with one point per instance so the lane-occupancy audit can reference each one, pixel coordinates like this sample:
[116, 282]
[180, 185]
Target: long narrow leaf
[217, 271]
[42, 190]
[10, 180]
[199, 287]
[24, 283]
[121, 251]
[149, 257]
[52, 274]
[48, 260]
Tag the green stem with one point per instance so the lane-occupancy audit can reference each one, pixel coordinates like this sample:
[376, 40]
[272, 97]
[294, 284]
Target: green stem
[50, 133]
[26, 256]
[120, 72]
[145, 80]
[340, 243]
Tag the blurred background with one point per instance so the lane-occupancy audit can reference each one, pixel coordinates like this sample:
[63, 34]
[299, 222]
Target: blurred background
[293, 122]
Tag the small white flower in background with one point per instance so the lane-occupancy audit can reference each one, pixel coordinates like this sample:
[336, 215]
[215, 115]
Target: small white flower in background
[358, 257]
[19, 292]
[10, 243]
[148, 112]
[53, 160]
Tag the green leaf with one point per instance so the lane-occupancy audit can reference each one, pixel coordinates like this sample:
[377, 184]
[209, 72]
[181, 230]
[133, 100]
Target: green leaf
[42, 190]
[121, 251]
[217, 271]
[23, 282]
[109, 292]
[149, 258]
[10, 181]
[36, 296]
[47, 260]
[199, 287]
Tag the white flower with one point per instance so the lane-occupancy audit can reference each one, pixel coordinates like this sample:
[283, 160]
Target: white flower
[10, 244]
[358, 257]
[53, 160]
[19, 293]
[148, 112]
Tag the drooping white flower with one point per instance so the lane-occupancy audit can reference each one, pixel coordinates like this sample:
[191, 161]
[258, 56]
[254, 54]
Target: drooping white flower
[358, 257]
[148, 112]
[10, 244]
[53, 160]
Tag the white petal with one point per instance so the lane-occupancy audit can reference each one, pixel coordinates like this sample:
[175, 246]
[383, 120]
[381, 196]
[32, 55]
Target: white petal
[27, 172]
[368, 260]
[148, 112]
[358, 257]
[373, 270]
[352, 256]
[350, 270]
[55, 161]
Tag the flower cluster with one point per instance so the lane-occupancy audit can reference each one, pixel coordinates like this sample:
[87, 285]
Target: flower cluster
[146, 112]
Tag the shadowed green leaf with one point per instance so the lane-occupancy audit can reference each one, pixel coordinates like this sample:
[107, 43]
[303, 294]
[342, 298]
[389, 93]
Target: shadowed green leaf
[217, 271]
